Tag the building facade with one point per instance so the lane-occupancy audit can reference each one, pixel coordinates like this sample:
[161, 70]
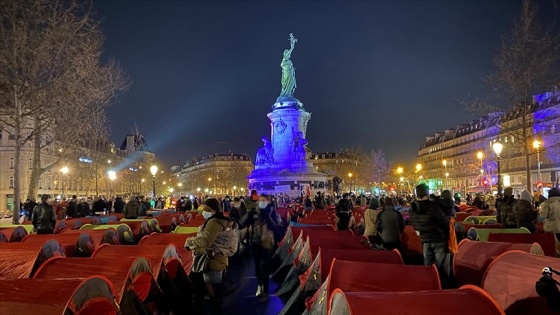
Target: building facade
[215, 174]
[462, 158]
[86, 173]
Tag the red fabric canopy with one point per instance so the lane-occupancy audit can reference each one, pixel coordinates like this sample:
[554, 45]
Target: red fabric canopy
[19, 260]
[546, 240]
[510, 280]
[15, 234]
[109, 236]
[467, 300]
[75, 244]
[371, 256]
[120, 272]
[474, 257]
[175, 239]
[55, 297]
[410, 241]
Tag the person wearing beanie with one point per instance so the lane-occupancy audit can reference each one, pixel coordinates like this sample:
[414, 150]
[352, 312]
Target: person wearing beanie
[504, 209]
[550, 212]
[370, 217]
[43, 217]
[525, 215]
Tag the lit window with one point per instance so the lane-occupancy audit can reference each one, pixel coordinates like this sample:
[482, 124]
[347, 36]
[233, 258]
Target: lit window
[11, 182]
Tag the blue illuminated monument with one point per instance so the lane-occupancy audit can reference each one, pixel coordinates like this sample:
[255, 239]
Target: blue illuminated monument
[282, 165]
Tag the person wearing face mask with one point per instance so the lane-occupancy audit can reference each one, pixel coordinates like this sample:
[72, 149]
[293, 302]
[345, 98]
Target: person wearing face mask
[201, 244]
[43, 217]
[261, 227]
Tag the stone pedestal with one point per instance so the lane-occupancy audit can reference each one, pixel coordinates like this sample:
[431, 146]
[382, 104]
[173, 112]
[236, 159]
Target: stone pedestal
[288, 172]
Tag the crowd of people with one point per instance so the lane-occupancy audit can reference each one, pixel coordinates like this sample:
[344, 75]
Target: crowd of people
[253, 227]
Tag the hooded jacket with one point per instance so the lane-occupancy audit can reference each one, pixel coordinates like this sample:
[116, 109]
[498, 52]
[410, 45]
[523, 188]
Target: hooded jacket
[390, 224]
[429, 220]
[550, 212]
[525, 215]
[504, 212]
[447, 206]
[43, 217]
[131, 209]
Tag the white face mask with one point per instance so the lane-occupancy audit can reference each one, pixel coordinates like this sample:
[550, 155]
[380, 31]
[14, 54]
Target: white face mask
[206, 215]
[263, 204]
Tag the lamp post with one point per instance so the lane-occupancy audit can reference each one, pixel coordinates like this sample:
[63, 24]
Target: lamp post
[537, 146]
[401, 180]
[153, 170]
[350, 181]
[446, 174]
[112, 176]
[64, 170]
[480, 156]
[498, 147]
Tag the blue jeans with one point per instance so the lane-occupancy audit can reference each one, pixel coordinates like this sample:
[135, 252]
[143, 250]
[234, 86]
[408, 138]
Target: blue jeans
[434, 253]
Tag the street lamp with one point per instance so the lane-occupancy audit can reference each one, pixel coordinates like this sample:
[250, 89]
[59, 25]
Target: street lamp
[498, 147]
[350, 176]
[400, 170]
[401, 180]
[537, 146]
[446, 180]
[418, 167]
[480, 156]
[153, 170]
[64, 170]
[112, 177]
[447, 174]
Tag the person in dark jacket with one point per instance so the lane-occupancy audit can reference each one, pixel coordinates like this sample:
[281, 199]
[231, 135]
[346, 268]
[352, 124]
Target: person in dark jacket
[99, 206]
[43, 217]
[504, 209]
[238, 209]
[432, 224]
[188, 204]
[343, 212]
[72, 210]
[447, 204]
[119, 205]
[390, 225]
[83, 208]
[525, 215]
[132, 209]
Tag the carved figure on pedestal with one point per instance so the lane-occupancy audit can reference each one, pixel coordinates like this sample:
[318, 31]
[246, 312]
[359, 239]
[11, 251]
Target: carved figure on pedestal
[266, 153]
[299, 150]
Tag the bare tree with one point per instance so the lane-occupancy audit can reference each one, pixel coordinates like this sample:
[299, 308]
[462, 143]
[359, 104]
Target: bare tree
[47, 48]
[526, 64]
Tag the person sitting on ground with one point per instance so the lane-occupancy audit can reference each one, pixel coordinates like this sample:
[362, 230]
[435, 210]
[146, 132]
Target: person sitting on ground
[132, 209]
[504, 209]
[525, 215]
[43, 217]
[370, 218]
[390, 225]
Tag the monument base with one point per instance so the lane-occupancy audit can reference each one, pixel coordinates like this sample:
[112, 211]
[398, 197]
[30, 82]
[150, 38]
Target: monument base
[292, 181]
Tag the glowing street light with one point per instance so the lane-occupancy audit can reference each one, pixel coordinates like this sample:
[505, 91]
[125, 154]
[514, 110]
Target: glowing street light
[153, 170]
[537, 146]
[112, 176]
[418, 167]
[480, 156]
[498, 147]
[400, 170]
[206, 190]
[198, 189]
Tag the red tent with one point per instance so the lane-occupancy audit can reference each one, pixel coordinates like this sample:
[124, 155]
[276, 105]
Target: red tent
[411, 246]
[510, 280]
[175, 239]
[138, 228]
[128, 273]
[95, 295]
[19, 260]
[75, 245]
[546, 240]
[467, 300]
[99, 237]
[351, 276]
[14, 234]
[474, 257]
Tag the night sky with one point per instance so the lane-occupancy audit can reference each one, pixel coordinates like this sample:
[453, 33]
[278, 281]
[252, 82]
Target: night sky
[382, 75]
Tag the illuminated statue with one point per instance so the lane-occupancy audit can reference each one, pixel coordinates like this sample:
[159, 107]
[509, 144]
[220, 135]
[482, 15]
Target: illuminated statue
[266, 153]
[288, 71]
[299, 150]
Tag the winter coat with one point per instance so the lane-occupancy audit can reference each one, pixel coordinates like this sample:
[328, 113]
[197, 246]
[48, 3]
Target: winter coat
[188, 205]
[72, 210]
[83, 209]
[261, 226]
[131, 209]
[119, 205]
[390, 224]
[370, 218]
[447, 206]
[205, 239]
[504, 212]
[343, 213]
[550, 212]
[429, 220]
[525, 215]
[99, 206]
[43, 218]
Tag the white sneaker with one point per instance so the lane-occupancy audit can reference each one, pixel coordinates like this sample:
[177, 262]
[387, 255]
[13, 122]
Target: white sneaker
[259, 290]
